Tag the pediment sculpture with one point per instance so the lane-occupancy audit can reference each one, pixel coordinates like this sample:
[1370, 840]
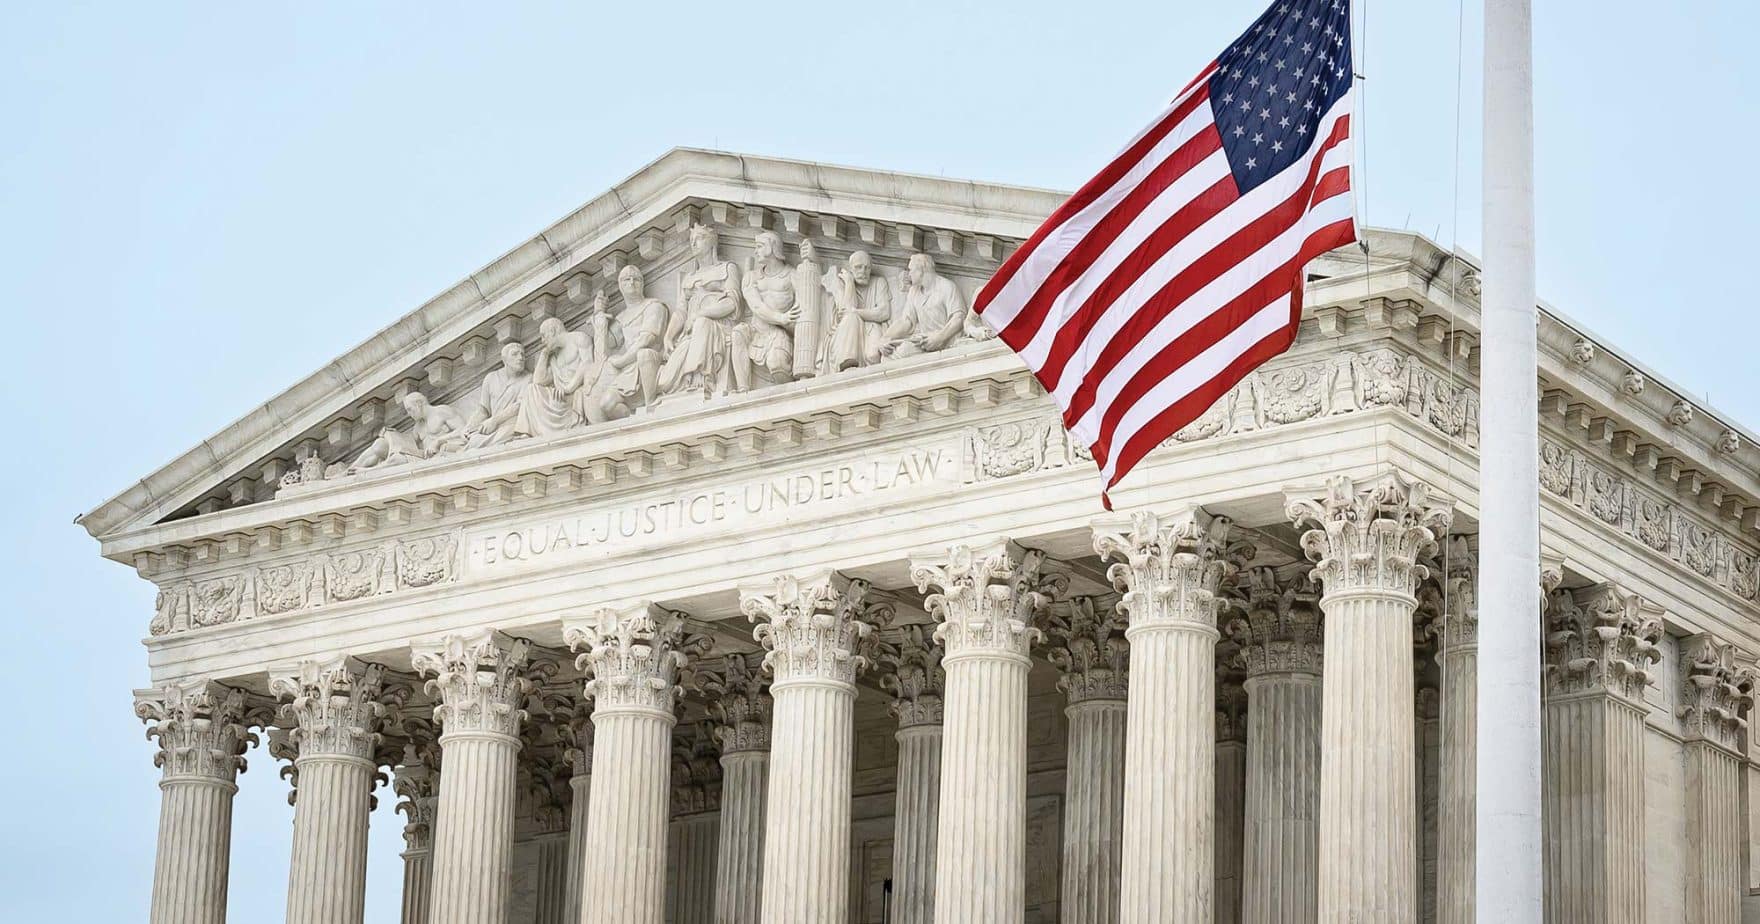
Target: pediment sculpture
[736, 328]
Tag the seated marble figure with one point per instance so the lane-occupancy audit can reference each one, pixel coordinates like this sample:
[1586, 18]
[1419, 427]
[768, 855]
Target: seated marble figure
[699, 338]
[436, 429]
[492, 411]
[932, 314]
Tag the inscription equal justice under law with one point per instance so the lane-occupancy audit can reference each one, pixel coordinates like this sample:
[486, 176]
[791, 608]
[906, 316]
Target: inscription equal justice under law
[770, 499]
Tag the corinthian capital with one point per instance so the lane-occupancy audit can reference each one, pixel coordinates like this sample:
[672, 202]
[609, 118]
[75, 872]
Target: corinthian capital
[1455, 623]
[1087, 646]
[913, 676]
[1716, 692]
[202, 728]
[480, 681]
[337, 708]
[742, 705]
[696, 770]
[1171, 568]
[1367, 537]
[417, 785]
[987, 598]
[1281, 631]
[634, 656]
[1601, 640]
[815, 627]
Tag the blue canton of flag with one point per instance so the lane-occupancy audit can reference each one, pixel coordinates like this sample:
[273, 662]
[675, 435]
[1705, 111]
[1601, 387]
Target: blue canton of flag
[1275, 83]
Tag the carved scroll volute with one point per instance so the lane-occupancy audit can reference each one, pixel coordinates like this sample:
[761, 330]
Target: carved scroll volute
[480, 681]
[338, 708]
[202, 728]
[1716, 692]
[634, 655]
[914, 676]
[988, 598]
[1367, 537]
[1171, 568]
[1601, 640]
[1087, 646]
[815, 627]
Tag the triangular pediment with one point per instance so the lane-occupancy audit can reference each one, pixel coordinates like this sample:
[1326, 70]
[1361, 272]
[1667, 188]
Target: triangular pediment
[321, 429]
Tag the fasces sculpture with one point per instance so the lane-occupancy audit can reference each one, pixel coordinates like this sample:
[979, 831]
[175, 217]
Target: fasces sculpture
[734, 330]
[700, 336]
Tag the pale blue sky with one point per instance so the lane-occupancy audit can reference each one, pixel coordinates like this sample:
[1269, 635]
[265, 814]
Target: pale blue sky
[200, 205]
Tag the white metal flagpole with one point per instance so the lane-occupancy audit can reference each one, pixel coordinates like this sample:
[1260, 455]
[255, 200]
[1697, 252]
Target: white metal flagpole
[1508, 857]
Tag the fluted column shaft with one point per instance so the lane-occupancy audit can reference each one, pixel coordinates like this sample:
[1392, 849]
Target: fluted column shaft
[1282, 863]
[327, 880]
[1231, 799]
[980, 862]
[482, 688]
[739, 858]
[1600, 645]
[1368, 803]
[418, 884]
[813, 628]
[580, 787]
[1093, 821]
[473, 833]
[1170, 775]
[1715, 885]
[1593, 809]
[551, 898]
[1171, 570]
[987, 601]
[203, 730]
[1457, 784]
[693, 888]
[915, 822]
[633, 657]
[195, 848]
[1366, 541]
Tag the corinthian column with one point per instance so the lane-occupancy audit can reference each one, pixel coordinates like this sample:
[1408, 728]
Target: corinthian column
[1366, 540]
[741, 712]
[1231, 782]
[1456, 629]
[815, 628]
[1600, 644]
[1171, 570]
[417, 784]
[633, 656]
[334, 716]
[202, 729]
[916, 683]
[1088, 648]
[1716, 694]
[1280, 645]
[987, 600]
[577, 735]
[696, 809]
[479, 682]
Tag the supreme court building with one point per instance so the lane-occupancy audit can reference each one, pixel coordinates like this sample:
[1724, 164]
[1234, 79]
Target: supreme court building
[702, 559]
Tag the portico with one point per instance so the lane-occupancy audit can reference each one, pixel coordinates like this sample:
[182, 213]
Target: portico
[792, 628]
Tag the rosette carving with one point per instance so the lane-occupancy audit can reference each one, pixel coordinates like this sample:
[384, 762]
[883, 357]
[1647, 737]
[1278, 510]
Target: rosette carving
[337, 708]
[1367, 537]
[202, 728]
[1716, 692]
[1281, 631]
[816, 627]
[1600, 640]
[987, 599]
[633, 655]
[914, 676]
[1171, 568]
[1088, 648]
[742, 706]
[480, 680]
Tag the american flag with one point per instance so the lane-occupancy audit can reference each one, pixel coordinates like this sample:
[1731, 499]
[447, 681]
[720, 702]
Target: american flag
[1167, 278]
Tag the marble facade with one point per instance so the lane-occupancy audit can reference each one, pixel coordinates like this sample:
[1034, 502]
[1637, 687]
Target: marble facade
[704, 560]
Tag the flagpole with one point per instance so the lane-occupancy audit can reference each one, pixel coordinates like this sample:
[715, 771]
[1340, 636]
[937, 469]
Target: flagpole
[1508, 852]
